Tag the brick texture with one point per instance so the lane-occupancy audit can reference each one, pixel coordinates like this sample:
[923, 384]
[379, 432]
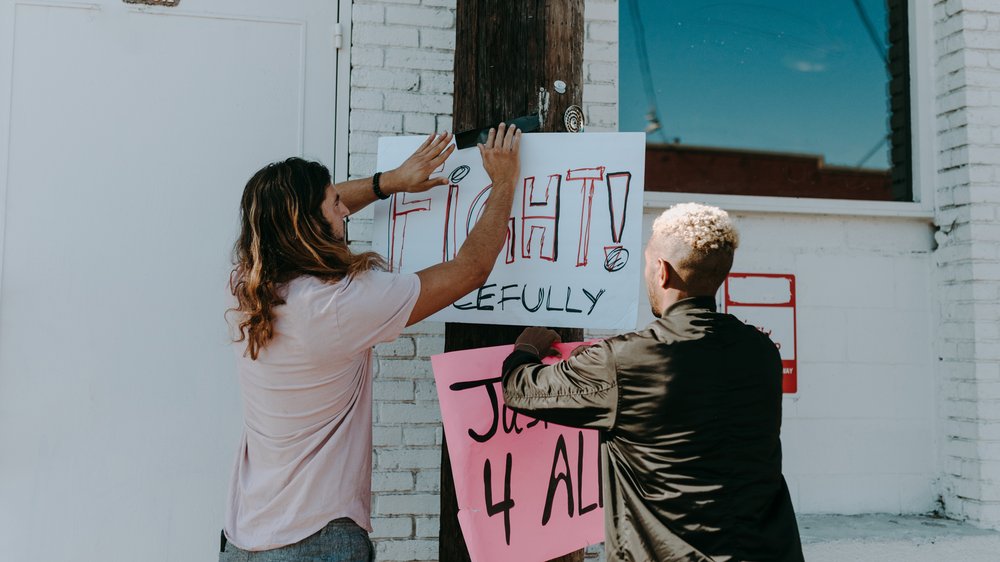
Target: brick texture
[967, 91]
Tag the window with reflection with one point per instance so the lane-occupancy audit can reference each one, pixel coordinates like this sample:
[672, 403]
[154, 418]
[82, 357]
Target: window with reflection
[769, 97]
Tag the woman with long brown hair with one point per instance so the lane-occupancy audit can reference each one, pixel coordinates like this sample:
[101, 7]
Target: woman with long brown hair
[308, 311]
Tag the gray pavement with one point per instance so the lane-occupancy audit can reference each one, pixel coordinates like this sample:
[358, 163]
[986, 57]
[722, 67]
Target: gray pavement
[888, 538]
[882, 537]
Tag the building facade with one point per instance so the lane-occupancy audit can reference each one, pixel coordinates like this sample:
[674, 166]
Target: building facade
[127, 131]
[898, 405]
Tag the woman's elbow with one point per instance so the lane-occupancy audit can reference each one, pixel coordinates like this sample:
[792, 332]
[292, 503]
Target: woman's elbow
[481, 273]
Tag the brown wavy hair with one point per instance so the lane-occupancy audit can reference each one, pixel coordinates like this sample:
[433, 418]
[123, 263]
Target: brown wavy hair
[284, 235]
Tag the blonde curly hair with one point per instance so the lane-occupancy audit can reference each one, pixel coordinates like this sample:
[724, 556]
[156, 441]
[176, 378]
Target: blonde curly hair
[699, 242]
[701, 227]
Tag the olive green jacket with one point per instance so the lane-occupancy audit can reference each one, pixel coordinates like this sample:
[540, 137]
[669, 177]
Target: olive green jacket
[689, 410]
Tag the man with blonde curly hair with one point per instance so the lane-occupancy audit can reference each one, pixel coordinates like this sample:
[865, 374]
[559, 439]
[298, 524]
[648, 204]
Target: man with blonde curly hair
[689, 409]
[694, 244]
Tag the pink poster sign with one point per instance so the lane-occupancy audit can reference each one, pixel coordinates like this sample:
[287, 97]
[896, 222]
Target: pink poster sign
[527, 490]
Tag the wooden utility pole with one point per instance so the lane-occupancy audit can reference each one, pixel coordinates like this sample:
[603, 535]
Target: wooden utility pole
[508, 58]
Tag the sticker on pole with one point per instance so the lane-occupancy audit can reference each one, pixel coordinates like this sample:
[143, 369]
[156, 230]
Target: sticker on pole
[767, 301]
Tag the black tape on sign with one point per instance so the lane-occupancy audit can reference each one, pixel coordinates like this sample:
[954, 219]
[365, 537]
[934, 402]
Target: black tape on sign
[472, 137]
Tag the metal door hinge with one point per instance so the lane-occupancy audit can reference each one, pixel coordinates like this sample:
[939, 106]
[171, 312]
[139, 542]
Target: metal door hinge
[338, 36]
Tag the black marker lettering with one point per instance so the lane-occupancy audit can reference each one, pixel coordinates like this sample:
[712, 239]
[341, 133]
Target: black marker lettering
[507, 503]
[512, 426]
[480, 297]
[504, 298]
[541, 296]
[616, 259]
[579, 480]
[554, 480]
[548, 298]
[492, 391]
[568, 309]
[593, 299]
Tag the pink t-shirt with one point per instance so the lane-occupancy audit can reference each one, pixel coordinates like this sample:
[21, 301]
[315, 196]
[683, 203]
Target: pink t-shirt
[306, 450]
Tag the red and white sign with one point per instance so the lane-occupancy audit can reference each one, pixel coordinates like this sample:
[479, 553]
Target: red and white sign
[767, 301]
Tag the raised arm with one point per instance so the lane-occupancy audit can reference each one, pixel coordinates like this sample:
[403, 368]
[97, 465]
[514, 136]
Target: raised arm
[445, 283]
[412, 176]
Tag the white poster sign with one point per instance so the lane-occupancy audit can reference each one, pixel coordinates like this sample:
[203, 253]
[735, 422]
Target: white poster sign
[573, 254]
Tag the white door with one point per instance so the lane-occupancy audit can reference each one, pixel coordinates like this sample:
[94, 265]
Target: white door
[126, 136]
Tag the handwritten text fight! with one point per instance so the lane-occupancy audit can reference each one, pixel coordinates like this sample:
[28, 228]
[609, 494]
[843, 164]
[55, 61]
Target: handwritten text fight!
[574, 227]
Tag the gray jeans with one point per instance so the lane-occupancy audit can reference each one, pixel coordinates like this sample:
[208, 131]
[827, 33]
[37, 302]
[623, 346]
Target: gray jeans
[342, 540]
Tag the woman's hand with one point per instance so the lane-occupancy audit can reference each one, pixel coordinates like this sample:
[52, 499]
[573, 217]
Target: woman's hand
[413, 175]
[501, 155]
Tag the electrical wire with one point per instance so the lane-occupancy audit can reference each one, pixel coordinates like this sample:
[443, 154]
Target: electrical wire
[870, 28]
[872, 152]
[644, 70]
[883, 54]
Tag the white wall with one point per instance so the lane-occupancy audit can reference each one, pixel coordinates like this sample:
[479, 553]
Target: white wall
[858, 435]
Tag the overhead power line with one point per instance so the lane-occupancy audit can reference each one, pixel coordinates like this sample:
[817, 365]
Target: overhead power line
[881, 49]
[652, 118]
[874, 150]
[872, 34]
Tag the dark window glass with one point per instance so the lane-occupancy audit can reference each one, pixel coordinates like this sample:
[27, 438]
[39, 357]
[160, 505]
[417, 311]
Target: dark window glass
[770, 97]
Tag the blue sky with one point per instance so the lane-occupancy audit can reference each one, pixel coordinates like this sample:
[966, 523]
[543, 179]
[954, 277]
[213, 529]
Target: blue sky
[798, 76]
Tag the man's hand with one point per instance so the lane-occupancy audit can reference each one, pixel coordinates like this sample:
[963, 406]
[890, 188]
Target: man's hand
[413, 175]
[501, 155]
[539, 341]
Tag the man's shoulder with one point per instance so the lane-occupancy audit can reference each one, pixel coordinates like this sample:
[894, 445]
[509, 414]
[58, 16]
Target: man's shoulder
[641, 337]
[675, 330]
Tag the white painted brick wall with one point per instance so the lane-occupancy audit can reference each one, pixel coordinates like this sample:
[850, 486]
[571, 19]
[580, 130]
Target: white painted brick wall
[859, 435]
[968, 259]
[600, 49]
[402, 60]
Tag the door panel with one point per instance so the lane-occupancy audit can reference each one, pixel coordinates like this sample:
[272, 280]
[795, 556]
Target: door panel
[131, 132]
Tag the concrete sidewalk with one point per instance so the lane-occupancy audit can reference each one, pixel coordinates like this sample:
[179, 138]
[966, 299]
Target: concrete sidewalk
[888, 538]
[882, 537]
